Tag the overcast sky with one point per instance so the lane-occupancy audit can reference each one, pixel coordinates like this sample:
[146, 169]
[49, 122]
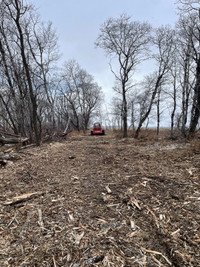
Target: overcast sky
[77, 24]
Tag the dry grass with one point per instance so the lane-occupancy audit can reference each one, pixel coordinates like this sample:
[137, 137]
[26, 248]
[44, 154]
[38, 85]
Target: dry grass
[75, 133]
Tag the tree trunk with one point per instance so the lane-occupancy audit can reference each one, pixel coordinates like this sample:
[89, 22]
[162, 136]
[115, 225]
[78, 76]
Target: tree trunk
[132, 116]
[173, 114]
[124, 114]
[196, 103]
[142, 120]
[67, 126]
[185, 95]
[139, 127]
[158, 113]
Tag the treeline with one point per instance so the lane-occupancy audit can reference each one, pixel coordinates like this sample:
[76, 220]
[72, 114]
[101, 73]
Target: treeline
[173, 85]
[36, 96]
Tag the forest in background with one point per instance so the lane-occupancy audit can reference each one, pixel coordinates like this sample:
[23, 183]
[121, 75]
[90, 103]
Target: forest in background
[38, 96]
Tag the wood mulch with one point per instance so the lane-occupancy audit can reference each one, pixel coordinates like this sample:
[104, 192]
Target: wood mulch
[101, 201]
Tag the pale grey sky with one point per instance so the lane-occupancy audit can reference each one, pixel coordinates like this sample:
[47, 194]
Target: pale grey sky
[77, 24]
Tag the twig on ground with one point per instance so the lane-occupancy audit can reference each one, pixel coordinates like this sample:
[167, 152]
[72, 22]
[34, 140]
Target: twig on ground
[54, 261]
[154, 216]
[21, 198]
[157, 253]
[41, 223]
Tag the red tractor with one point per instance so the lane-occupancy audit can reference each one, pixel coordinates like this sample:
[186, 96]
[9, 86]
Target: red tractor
[97, 129]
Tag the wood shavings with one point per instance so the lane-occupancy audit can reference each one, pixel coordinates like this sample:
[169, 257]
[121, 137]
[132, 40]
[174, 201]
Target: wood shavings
[112, 199]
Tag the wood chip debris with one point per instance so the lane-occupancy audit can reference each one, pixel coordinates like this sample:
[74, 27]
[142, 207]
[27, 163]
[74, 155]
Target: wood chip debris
[108, 189]
[157, 253]
[21, 198]
[135, 202]
[95, 259]
[140, 207]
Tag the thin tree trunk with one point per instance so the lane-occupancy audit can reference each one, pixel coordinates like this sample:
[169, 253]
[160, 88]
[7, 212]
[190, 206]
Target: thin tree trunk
[196, 103]
[185, 95]
[132, 116]
[67, 126]
[125, 126]
[142, 120]
[158, 113]
[173, 112]
[195, 114]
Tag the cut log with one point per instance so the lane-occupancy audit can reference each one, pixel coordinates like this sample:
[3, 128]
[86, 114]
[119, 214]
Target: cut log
[5, 133]
[12, 140]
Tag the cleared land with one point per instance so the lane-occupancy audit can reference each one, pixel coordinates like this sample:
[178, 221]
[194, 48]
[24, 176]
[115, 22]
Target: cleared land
[101, 201]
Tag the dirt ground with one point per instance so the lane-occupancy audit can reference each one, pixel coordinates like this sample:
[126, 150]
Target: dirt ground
[101, 201]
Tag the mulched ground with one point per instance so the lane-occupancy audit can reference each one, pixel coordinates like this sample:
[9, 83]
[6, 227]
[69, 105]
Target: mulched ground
[101, 201]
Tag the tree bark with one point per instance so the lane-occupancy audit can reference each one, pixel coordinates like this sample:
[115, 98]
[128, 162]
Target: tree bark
[173, 111]
[158, 112]
[125, 126]
[142, 120]
[196, 103]
[132, 116]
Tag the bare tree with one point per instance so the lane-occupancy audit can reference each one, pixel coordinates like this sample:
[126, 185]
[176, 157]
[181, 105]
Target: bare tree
[117, 110]
[42, 42]
[188, 5]
[13, 85]
[127, 41]
[164, 43]
[17, 11]
[27, 50]
[192, 31]
[174, 73]
[83, 95]
[186, 68]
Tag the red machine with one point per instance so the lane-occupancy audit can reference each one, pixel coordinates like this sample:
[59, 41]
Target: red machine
[97, 129]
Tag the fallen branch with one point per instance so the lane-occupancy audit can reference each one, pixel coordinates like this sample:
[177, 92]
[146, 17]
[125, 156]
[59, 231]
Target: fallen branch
[21, 198]
[154, 216]
[15, 135]
[54, 262]
[157, 253]
[120, 256]
[13, 140]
